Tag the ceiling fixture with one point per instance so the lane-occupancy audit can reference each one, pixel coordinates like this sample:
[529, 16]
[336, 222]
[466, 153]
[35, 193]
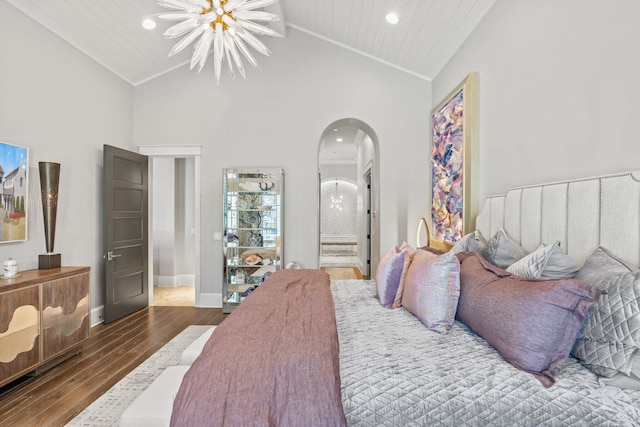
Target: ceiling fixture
[336, 200]
[148, 24]
[226, 24]
[339, 139]
[392, 18]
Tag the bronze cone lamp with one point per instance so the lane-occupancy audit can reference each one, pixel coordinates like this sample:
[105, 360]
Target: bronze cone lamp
[49, 177]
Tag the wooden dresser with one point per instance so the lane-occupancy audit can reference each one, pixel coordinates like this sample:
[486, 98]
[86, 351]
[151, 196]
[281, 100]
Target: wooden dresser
[44, 317]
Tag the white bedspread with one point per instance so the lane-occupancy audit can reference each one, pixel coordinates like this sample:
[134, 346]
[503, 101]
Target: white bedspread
[396, 372]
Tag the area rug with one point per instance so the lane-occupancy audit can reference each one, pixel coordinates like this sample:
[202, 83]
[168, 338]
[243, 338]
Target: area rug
[106, 410]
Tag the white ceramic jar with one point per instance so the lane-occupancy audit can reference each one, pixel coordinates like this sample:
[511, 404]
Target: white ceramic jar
[10, 268]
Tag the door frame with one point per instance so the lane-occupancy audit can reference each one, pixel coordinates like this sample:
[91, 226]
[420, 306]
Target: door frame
[374, 166]
[368, 211]
[177, 151]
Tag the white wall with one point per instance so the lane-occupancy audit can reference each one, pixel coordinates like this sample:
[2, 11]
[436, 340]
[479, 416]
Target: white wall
[185, 222]
[558, 90]
[64, 107]
[164, 212]
[276, 119]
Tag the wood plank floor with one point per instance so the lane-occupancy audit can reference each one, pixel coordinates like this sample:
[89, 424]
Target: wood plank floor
[59, 394]
[343, 273]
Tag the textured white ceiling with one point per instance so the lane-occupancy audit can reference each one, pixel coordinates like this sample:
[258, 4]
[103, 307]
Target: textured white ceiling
[110, 32]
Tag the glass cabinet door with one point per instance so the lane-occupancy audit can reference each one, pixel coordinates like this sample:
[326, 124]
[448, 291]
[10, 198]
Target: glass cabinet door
[253, 225]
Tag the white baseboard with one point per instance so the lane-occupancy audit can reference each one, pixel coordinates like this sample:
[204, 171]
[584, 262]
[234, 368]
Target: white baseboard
[173, 281]
[209, 300]
[205, 301]
[97, 316]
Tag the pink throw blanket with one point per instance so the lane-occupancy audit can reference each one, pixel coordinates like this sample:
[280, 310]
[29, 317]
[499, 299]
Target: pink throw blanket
[272, 362]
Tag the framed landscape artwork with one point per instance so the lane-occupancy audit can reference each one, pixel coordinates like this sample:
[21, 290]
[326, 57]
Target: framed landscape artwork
[454, 171]
[14, 191]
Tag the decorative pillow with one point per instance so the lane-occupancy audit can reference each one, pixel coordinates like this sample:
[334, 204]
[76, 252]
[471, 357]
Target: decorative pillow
[531, 266]
[611, 334]
[471, 242]
[500, 250]
[432, 289]
[532, 323]
[560, 266]
[410, 252]
[390, 275]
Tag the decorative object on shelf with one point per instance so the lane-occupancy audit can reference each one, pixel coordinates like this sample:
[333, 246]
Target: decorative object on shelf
[265, 276]
[13, 192]
[10, 268]
[243, 203]
[226, 24]
[249, 186]
[250, 219]
[252, 259]
[232, 237]
[49, 177]
[248, 291]
[240, 277]
[266, 186]
[255, 239]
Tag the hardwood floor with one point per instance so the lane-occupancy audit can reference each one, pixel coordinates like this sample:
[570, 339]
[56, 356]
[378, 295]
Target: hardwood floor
[59, 394]
[343, 273]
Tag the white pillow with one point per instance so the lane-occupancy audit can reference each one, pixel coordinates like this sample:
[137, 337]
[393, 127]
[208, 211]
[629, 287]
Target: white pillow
[532, 265]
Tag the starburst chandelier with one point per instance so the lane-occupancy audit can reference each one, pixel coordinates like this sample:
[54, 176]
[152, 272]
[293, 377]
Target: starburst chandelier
[226, 24]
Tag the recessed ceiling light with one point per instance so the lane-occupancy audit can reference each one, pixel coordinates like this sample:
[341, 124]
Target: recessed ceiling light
[149, 24]
[392, 18]
[339, 139]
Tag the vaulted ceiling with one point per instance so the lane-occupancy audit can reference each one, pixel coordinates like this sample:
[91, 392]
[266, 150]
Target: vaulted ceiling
[427, 35]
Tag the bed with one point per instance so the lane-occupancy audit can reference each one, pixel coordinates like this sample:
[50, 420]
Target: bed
[302, 350]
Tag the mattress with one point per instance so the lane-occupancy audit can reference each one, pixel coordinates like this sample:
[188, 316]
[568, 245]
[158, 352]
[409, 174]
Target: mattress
[396, 372]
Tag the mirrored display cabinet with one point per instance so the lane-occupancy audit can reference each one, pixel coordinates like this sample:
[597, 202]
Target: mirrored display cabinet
[253, 207]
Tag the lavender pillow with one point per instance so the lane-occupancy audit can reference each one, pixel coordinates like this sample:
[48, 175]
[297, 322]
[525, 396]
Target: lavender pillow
[432, 288]
[388, 275]
[532, 323]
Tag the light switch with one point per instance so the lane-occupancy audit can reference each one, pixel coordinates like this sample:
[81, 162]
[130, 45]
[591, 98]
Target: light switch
[217, 235]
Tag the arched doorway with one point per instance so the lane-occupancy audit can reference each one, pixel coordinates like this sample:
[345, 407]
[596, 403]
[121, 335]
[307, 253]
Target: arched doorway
[347, 182]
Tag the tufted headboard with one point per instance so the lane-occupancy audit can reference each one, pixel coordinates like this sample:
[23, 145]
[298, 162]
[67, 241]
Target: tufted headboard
[582, 214]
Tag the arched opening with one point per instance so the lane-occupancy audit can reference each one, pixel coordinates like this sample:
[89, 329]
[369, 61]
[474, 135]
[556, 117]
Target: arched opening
[347, 181]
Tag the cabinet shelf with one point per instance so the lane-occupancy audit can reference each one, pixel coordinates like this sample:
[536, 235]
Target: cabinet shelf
[253, 210]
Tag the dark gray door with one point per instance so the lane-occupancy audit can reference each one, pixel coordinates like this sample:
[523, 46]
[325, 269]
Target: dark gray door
[125, 232]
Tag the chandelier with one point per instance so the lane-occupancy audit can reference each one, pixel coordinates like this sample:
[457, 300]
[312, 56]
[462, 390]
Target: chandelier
[336, 199]
[226, 24]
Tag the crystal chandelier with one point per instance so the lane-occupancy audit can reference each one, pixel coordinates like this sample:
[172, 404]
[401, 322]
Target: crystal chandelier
[336, 199]
[226, 24]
